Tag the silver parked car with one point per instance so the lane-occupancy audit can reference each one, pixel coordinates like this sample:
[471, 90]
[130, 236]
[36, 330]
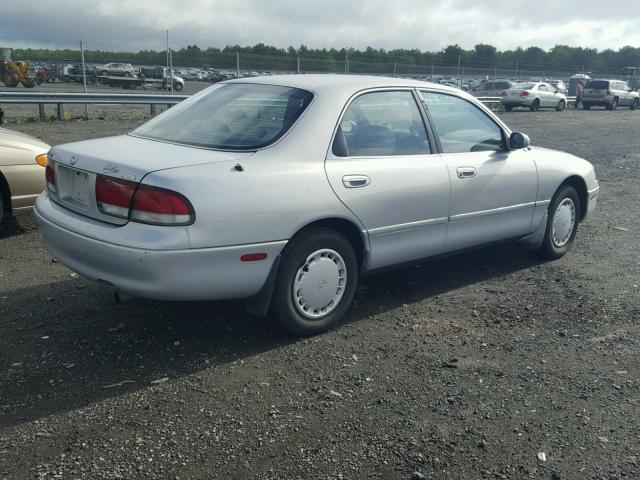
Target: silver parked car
[534, 95]
[492, 88]
[287, 189]
[609, 94]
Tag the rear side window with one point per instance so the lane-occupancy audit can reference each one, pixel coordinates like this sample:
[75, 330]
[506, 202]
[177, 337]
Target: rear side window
[230, 117]
[461, 126]
[598, 84]
[502, 86]
[381, 124]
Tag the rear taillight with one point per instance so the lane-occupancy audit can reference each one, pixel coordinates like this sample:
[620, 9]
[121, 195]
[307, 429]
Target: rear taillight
[524, 94]
[160, 206]
[113, 196]
[142, 203]
[50, 175]
[503, 94]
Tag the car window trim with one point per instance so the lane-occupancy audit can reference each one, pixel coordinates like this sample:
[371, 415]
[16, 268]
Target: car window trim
[504, 131]
[330, 155]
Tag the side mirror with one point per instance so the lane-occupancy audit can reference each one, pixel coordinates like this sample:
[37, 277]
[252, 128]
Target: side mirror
[518, 141]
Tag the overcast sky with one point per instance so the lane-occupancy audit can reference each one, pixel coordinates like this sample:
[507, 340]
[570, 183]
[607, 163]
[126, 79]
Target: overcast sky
[133, 25]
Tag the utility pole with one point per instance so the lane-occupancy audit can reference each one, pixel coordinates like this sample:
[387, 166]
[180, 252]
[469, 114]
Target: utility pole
[346, 61]
[458, 66]
[84, 80]
[517, 68]
[298, 64]
[237, 64]
[395, 69]
[170, 63]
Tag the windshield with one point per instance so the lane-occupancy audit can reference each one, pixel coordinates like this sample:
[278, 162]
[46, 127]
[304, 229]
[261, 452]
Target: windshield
[230, 117]
[598, 84]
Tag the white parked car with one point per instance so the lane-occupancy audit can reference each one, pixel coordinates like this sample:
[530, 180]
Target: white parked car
[287, 189]
[534, 95]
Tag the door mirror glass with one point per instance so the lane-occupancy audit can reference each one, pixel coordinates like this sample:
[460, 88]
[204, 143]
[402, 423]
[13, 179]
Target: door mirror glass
[518, 141]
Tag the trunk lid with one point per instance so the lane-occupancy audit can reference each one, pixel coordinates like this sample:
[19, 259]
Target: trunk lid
[124, 157]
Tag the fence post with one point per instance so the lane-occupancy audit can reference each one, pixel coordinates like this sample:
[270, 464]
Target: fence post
[154, 110]
[432, 73]
[237, 64]
[395, 69]
[298, 65]
[60, 111]
[43, 114]
[84, 80]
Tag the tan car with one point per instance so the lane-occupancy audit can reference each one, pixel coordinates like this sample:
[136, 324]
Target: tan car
[22, 176]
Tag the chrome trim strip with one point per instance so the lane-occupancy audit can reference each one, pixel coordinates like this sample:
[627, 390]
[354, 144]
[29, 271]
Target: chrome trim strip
[407, 226]
[543, 203]
[493, 211]
[593, 193]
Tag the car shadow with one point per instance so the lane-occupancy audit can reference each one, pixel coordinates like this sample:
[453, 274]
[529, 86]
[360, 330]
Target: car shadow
[67, 344]
[9, 227]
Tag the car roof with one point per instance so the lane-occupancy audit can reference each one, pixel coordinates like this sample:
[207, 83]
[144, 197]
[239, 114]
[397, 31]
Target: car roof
[325, 81]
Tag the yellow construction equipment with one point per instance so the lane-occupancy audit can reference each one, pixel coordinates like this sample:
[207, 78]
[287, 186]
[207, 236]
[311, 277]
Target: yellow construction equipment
[13, 73]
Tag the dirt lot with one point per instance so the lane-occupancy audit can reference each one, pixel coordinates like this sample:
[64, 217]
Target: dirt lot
[492, 364]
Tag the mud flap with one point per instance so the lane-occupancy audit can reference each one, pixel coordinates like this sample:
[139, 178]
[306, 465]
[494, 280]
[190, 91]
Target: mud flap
[259, 304]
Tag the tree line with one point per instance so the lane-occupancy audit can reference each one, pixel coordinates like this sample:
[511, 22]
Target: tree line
[482, 56]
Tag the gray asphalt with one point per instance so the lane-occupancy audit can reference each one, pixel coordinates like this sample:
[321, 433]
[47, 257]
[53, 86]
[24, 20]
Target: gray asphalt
[472, 367]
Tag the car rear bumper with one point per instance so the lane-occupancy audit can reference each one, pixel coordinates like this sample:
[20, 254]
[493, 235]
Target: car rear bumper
[517, 102]
[187, 274]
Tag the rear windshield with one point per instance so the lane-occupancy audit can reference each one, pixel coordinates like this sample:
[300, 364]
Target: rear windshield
[230, 117]
[527, 86]
[598, 84]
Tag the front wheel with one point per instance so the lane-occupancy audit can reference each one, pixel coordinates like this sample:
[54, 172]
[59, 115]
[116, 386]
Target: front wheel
[634, 105]
[561, 106]
[317, 280]
[562, 223]
[586, 106]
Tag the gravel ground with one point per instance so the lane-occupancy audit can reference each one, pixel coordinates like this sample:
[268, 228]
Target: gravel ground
[492, 364]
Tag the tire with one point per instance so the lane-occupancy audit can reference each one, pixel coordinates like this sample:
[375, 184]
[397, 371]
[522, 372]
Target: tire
[562, 223]
[323, 258]
[586, 106]
[561, 106]
[535, 105]
[508, 108]
[634, 104]
[613, 105]
[4, 216]
[178, 87]
[104, 73]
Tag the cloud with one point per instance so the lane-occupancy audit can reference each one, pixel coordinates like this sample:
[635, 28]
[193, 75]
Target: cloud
[133, 25]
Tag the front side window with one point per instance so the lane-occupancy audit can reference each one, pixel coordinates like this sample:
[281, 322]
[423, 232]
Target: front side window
[230, 117]
[461, 126]
[381, 124]
[542, 88]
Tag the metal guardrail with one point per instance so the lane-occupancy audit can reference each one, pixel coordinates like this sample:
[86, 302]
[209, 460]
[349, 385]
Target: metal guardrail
[43, 98]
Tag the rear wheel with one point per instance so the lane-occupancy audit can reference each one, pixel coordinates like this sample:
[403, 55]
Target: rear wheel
[561, 106]
[508, 108]
[613, 105]
[535, 105]
[634, 104]
[317, 280]
[586, 106]
[562, 223]
[4, 215]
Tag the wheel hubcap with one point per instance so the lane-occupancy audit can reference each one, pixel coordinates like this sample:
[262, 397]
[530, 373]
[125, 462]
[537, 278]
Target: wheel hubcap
[319, 284]
[563, 222]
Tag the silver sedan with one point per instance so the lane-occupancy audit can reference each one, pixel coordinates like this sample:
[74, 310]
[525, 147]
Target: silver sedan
[285, 190]
[534, 95]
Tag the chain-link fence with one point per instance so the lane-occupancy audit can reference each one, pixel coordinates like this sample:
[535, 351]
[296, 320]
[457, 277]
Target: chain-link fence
[189, 70]
[151, 68]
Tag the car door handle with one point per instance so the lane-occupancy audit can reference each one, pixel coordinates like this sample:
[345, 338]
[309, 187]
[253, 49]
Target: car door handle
[355, 181]
[466, 172]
